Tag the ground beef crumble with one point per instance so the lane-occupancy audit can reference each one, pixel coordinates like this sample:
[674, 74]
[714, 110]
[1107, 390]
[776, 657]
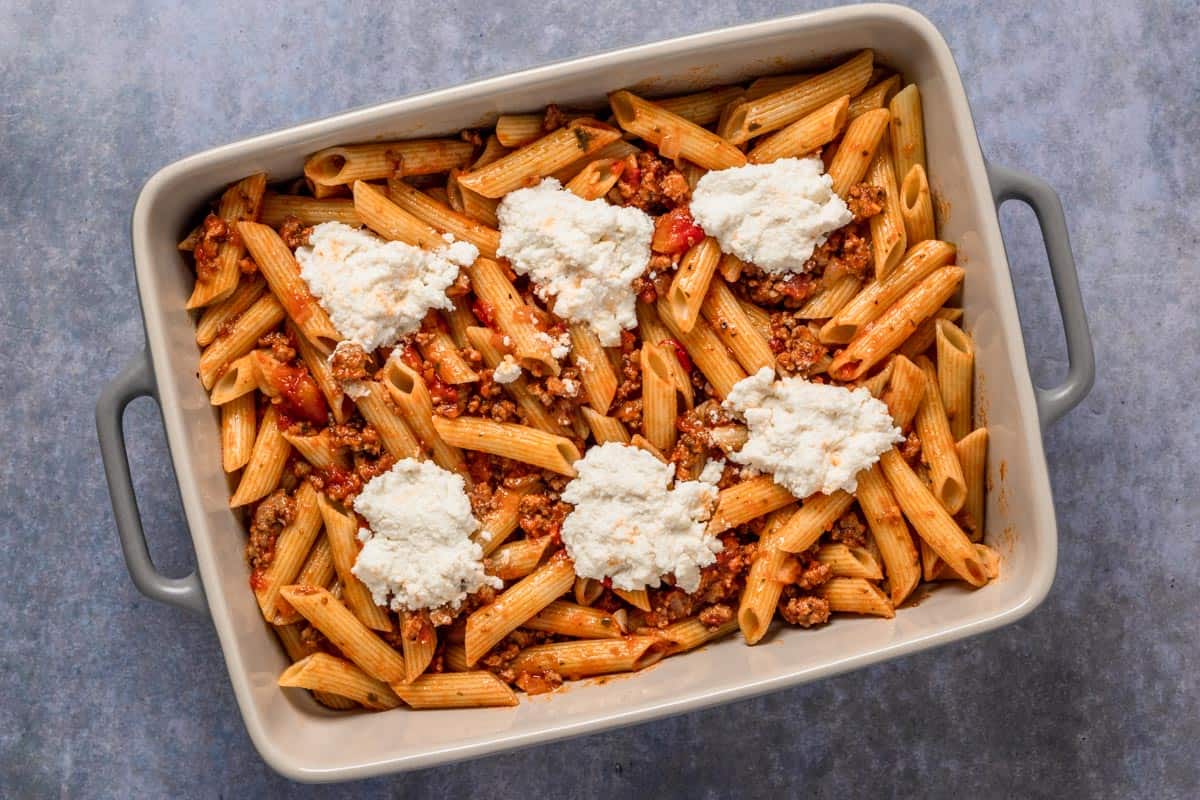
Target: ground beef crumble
[281, 346]
[803, 610]
[796, 347]
[541, 514]
[350, 362]
[294, 232]
[910, 448]
[652, 184]
[271, 516]
[790, 290]
[849, 530]
[716, 615]
[865, 200]
[214, 231]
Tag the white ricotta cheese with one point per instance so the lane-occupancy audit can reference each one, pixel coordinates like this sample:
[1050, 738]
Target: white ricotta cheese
[713, 471]
[773, 215]
[811, 437]
[376, 291]
[417, 548]
[506, 371]
[630, 525]
[560, 346]
[583, 254]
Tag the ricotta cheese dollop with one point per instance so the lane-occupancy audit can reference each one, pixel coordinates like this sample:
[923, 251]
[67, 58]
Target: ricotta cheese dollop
[377, 291]
[811, 437]
[773, 215]
[417, 548]
[630, 525]
[583, 254]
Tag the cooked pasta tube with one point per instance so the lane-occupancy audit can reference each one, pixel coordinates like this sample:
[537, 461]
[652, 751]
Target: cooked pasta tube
[240, 337]
[756, 608]
[346, 164]
[291, 550]
[587, 591]
[576, 621]
[916, 205]
[217, 315]
[816, 515]
[907, 129]
[511, 315]
[321, 672]
[298, 650]
[850, 562]
[923, 337]
[859, 143]
[518, 603]
[267, 460]
[444, 218]
[638, 598]
[595, 179]
[888, 236]
[356, 641]
[972, 454]
[322, 373]
[831, 298]
[317, 449]
[240, 377]
[532, 410]
[804, 135]
[541, 157]
[856, 596]
[341, 531]
[276, 208]
[688, 634]
[519, 442]
[905, 391]
[659, 407]
[672, 134]
[595, 372]
[703, 107]
[588, 657]
[501, 521]
[937, 443]
[238, 430]
[217, 280]
[474, 689]
[955, 373]
[706, 349]
[890, 532]
[411, 396]
[750, 499]
[375, 405]
[604, 429]
[515, 560]
[418, 642]
[722, 309]
[873, 97]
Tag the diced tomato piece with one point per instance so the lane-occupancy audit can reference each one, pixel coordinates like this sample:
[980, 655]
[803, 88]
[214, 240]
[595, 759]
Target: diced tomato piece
[298, 394]
[675, 232]
[681, 355]
[484, 312]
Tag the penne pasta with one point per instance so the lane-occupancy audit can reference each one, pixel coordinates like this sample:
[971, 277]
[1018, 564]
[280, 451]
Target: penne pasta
[617, 149]
[750, 499]
[763, 589]
[889, 531]
[885, 334]
[576, 621]
[638, 598]
[515, 560]
[673, 135]
[587, 591]
[888, 235]
[238, 431]
[474, 689]
[321, 672]
[267, 460]
[937, 443]
[604, 429]
[752, 118]
[277, 265]
[850, 562]
[518, 442]
[217, 315]
[955, 373]
[240, 378]
[907, 130]
[588, 657]
[815, 516]
[804, 135]
[831, 298]
[346, 164]
[513, 317]
[916, 205]
[438, 346]
[341, 531]
[356, 641]
[856, 596]
[418, 642]
[761, 87]
[532, 410]
[318, 449]
[596, 374]
[701, 108]
[706, 350]
[905, 391]
[972, 454]
[923, 337]
[411, 396]
[595, 179]
[727, 317]
[688, 634]
[658, 397]
[376, 407]
[539, 158]
[873, 97]
[443, 218]
[490, 624]
[501, 521]
[276, 208]
[298, 650]
[217, 279]
[240, 337]
[291, 551]
[857, 149]
[931, 520]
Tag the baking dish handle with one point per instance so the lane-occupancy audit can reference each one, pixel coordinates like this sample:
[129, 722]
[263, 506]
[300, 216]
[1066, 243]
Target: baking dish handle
[136, 380]
[1011, 184]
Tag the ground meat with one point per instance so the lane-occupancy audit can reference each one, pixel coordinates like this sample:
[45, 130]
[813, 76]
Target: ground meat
[630, 412]
[553, 119]
[865, 200]
[724, 579]
[692, 445]
[538, 682]
[717, 615]
[213, 232]
[349, 362]
[656, 280]
[560, 395]
[281, 346]
[850, 530]
[807, 573]
[542, 514]
[483, 398]
[247, 266]
[667, 606]
[790, 290]
[796, 347]
[631, 370]
[499, 658]
[804, 611]
[910, 448]
[361, 437]
[271, 516]
[294, 232]
[446, 397]
[847, 251]
[652, 184]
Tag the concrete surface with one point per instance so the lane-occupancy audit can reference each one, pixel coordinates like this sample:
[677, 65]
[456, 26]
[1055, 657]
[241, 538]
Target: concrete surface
[104, 693]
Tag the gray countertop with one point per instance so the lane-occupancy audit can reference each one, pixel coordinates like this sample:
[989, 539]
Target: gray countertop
[103, 692]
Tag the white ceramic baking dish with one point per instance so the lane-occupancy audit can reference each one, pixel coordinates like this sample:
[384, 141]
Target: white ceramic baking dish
[306, 742]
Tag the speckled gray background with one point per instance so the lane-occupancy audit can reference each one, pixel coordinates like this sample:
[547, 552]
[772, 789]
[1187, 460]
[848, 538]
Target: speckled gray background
[1097, 694]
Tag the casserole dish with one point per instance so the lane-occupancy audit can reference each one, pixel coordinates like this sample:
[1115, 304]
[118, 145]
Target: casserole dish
[306, 742]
